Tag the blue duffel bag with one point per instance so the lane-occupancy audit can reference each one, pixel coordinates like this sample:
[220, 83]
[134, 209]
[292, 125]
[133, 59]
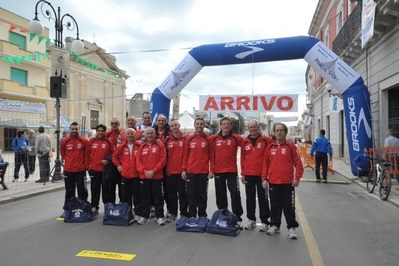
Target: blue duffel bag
[118, 214]
[185, 224]
[223, 222]
[77, 211]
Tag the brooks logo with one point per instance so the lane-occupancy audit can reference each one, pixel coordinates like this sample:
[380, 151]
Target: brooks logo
[252, 51]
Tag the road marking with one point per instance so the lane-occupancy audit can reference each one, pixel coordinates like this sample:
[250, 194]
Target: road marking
[314, 251]
[59, 219]
[105, 255]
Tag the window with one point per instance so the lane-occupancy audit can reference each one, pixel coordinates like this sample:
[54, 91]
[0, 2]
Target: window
[94, 119]
[340, 16]
[19, 75]
[17, 39]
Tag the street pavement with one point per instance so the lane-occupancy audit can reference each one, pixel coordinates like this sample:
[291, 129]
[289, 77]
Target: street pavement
[22, 190]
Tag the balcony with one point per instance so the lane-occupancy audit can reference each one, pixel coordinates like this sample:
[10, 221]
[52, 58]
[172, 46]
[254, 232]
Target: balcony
[8, 49]
[15, 91]
[347, 43]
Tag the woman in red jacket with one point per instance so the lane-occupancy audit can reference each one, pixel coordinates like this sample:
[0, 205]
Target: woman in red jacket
[151, 159]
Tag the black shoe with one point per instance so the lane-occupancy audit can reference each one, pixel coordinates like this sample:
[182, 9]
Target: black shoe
[39, 181]
[318, 179]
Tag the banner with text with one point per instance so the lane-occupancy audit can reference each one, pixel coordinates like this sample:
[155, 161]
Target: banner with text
[260, 103]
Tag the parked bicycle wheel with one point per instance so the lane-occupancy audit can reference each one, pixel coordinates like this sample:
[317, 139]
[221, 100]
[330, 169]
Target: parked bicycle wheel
[371, 180]
[385, 187]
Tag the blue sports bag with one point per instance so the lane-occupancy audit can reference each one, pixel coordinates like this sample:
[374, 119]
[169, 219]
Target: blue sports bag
[185, 224]
[117, 214]
[77, 211]
[223, 222]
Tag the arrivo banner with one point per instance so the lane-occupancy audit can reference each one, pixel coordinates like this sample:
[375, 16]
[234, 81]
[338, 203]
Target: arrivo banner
[264, 102]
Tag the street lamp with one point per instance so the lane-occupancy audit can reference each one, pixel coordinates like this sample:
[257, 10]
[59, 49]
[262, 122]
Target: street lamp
[57, 82]
[329, 88]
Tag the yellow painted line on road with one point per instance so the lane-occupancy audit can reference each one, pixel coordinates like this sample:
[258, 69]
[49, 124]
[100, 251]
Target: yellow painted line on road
[331, 181]
[313, 249]
[105, 255]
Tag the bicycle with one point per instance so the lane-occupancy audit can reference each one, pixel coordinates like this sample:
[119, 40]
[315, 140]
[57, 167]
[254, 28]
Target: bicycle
[377, 177]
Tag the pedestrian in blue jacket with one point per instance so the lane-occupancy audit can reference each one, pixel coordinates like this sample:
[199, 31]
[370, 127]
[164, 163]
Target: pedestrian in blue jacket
[322, 147]
[21, 148]
[362, 162]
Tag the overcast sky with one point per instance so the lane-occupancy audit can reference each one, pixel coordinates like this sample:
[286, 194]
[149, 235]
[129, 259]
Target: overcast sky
[132, 28]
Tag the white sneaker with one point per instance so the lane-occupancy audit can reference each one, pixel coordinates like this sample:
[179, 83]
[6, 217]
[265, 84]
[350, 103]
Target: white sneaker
[292, 233]
[172, 218]
[239, 224]
[94, 210]
[251, 224]
[137, 218]
[273, 230]
[263, 227]
[142, 220]
[161, 221]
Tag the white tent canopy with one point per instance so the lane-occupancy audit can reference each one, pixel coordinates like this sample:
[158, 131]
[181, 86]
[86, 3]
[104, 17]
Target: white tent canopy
[186, 123]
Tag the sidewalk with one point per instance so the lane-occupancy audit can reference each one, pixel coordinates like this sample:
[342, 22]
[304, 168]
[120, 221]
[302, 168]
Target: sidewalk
[21, 190]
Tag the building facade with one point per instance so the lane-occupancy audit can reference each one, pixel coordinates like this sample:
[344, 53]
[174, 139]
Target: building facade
[94, 94]
[338, 24]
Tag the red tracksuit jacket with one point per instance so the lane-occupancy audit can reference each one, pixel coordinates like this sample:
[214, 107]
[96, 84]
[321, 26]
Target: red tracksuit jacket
[96, 150]
[114, 135]
[72, 150]
[198, 154]
[151, 157]
[225, 152]
[174, 151]
[279, 163]
[123, 157]
[252, 156]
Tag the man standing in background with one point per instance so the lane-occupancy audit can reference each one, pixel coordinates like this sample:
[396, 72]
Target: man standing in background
[322, 147]
[146, 121]
[43, 147]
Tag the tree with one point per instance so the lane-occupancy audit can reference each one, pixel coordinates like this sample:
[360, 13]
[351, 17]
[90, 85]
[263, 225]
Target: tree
[214, 126]
[238, 124]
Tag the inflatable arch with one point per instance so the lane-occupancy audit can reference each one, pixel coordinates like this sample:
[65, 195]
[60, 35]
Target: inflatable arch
[341, 76]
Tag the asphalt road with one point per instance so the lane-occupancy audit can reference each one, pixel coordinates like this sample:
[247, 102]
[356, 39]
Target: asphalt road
[339, 225]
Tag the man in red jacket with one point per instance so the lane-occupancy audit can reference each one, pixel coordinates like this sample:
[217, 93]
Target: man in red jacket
[278, 175]
[131, 123]
[72, 150]
[151, 159]
[197, 156]
[124, 159]
[252, 155]
[97, 149]
[225, 146]
[116, 136]
[175, 185]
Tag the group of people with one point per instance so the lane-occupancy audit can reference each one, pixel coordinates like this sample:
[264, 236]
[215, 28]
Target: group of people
[26, 148]
[159, 164]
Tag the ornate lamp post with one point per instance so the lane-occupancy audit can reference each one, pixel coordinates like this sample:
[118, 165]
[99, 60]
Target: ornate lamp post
[58, 80]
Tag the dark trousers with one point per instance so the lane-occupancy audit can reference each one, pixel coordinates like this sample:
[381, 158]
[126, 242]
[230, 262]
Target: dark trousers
[130, 193]
[44, 167]
[32, 163]
[175, 186]
[197, 194]
[109, 189]
[96, 178]
[321, 158]
[363, 172]
[282, 199]
[235, 195]
[154, 188]
[253, 185]
[75, 179]
[21, 158]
